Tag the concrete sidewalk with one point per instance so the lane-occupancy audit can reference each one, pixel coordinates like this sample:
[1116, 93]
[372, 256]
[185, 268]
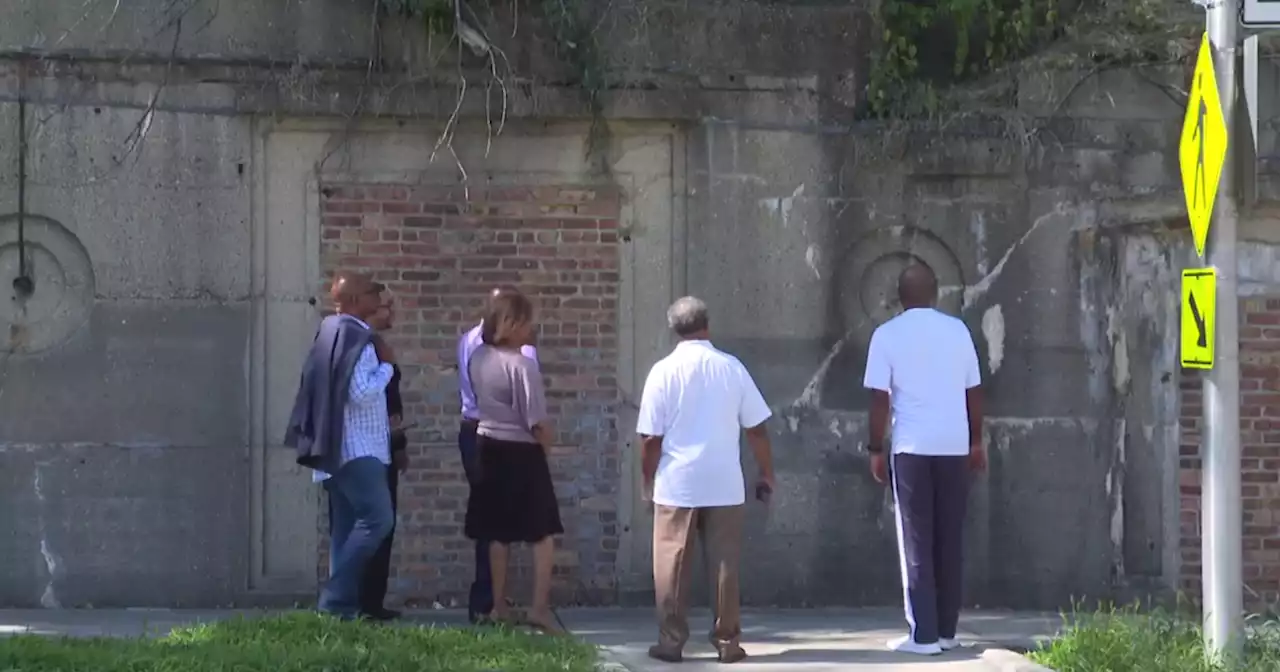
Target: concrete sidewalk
[801, 640]
[818, 640]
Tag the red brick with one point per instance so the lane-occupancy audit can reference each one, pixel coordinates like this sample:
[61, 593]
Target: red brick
[401, 207]
[1260, 461]
[441, 250]
[342, 221]
[349, 206]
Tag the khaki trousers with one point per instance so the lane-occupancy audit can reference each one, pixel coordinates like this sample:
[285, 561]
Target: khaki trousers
[674, 531]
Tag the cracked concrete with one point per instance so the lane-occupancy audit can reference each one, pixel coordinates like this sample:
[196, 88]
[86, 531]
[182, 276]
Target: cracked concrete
[787, 218]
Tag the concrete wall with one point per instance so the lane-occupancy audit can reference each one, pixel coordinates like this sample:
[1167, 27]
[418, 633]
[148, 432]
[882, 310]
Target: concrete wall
[123, 404]
[139, 402]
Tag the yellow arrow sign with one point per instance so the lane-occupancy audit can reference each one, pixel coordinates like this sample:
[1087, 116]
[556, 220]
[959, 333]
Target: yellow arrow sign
[1199, 306]
[1203, 147]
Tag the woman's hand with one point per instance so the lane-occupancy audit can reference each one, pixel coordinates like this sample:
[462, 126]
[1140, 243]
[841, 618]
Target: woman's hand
[543, 434]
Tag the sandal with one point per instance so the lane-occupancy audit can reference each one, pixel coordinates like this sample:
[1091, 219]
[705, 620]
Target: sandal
[547, 626]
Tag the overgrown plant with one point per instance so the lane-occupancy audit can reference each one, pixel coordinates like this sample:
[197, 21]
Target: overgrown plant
[927, 45]
[964, 38]
[1133, 639]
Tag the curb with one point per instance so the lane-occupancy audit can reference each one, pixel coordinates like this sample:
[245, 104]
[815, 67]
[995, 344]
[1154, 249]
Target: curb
[1002, 660]
[1005, 660]
[609, 663]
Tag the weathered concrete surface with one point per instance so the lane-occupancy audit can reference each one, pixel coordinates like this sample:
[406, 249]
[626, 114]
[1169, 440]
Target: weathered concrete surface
[741, 44]
[1022, 244]
[1055, 227]
[124, 417]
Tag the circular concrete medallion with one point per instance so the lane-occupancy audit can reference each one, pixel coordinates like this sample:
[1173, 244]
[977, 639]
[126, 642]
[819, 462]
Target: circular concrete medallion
[54, 299]
[869, 276]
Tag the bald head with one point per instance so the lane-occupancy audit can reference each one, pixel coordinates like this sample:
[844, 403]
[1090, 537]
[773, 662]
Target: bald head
[499, 294]
[501, 291]
[355, 294]
[917, 287]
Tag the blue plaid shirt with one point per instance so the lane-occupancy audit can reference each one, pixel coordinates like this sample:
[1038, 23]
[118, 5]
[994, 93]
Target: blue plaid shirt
[366, 429]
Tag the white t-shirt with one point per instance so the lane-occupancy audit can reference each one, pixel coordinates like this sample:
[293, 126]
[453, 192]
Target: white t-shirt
[698, 399]
[925, 360]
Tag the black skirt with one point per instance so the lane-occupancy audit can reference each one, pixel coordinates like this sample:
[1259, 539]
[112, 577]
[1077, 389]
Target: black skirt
[514, 500]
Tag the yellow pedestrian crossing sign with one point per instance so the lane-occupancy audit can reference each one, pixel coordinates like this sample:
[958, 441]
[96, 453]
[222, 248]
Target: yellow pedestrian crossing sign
[1199, 305]
[1203, 147]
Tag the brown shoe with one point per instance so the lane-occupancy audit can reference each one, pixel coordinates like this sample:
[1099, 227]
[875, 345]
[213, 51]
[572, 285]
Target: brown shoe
[656, 652]
[732, 654]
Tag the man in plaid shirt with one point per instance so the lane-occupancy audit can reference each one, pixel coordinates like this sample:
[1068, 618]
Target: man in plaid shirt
[360, 510]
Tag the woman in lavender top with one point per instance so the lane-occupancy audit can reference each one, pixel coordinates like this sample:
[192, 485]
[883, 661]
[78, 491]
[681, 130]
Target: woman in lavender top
[514, 500]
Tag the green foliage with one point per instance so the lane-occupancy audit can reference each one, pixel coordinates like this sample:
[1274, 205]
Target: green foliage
[436, 15]
[927, 42]
[301, 642]
[1129, 640]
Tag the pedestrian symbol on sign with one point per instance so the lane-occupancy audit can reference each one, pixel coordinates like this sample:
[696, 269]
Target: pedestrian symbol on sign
[1202, 149]
[1199, 188]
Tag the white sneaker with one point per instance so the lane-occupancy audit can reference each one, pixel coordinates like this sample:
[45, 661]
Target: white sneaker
[907, 645]
[949, 644]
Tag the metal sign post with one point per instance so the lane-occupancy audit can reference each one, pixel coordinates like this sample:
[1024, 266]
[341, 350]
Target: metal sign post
[1221, 506]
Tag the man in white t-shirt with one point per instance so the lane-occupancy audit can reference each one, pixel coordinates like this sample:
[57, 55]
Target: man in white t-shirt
[922, 368]
[696, 403]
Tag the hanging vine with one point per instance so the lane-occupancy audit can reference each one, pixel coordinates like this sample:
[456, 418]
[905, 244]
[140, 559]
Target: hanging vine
[572, 28]
[575, 37]
[436, 15]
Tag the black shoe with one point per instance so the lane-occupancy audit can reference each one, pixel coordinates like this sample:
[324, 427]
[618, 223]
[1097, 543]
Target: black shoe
[657, 652]
[381, 614]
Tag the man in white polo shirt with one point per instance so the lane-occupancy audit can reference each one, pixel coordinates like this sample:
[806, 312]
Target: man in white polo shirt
[695, 404]
[922, 369]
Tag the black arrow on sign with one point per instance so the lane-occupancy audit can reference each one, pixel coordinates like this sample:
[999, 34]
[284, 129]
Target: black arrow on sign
[1203, 340]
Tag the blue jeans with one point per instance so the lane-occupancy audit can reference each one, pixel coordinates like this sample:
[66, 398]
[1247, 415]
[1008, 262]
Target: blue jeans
[480, 599]
[360, 517]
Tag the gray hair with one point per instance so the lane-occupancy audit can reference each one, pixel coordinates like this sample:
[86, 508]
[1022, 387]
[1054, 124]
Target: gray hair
[687, 316]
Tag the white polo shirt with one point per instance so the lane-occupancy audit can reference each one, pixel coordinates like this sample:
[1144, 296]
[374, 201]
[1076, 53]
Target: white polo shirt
[926, 360]
[699, 399]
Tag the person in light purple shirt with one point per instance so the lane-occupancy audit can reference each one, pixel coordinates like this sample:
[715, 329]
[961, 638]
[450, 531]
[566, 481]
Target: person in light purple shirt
[480, 599]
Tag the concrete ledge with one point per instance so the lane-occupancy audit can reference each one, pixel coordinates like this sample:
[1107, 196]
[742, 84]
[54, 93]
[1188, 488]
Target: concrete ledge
[609, 663]
[1005, 660]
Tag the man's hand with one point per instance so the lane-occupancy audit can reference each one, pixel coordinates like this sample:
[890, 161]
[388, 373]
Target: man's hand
[764, 486]
[880, 468]
[395, 420]
[400, 460]
[977, 457]
[646, 495]
[385, 354]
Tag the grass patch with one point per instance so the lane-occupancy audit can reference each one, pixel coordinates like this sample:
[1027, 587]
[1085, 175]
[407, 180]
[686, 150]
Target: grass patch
[302, 642]
[1130, 640]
